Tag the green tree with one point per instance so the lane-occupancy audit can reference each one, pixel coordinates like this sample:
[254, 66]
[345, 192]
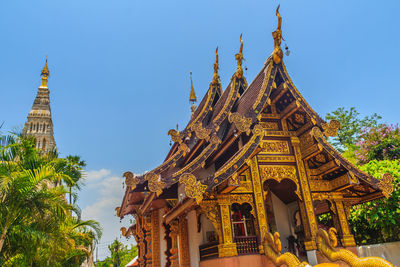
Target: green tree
[352, 126]
[120, 255]
[38, 226]
[378, 221]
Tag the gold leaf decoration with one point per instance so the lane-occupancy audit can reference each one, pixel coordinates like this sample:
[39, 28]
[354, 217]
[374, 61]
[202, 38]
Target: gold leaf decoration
[130, 180]
[258, 130]
[201, 133]
[176, 135]
[331, 128]
[193, 188]
[154, 183]
[386, 184]
[241, 123]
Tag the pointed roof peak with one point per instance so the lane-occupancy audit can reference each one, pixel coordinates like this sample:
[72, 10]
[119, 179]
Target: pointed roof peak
[239, 59]
[215, 79]
[192, 97]
[45, 73]
[277, 35]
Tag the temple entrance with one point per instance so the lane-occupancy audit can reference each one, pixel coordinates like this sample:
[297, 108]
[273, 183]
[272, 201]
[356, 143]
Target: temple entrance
[283, 215]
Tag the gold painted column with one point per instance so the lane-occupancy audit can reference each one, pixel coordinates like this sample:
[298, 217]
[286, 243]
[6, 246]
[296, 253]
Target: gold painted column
[148, 239]
[174, 258]
[259, 199]
[346, 237]
[155, 229]
[184, 254]
[306, 205]
[141, 244]
[228, 247]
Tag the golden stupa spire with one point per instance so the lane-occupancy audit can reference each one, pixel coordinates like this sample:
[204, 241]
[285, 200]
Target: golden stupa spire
[239, 58]
[192, 97]
[45, 73]
[215, 79]
[277, 35]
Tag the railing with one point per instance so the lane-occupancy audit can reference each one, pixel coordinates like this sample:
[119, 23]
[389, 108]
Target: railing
[246, 245]
[209, 251]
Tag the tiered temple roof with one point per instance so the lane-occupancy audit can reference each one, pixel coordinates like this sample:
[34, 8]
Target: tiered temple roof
[230, 127]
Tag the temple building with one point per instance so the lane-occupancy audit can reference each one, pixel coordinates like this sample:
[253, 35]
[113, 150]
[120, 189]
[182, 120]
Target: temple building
[39, 123]
[245, 180]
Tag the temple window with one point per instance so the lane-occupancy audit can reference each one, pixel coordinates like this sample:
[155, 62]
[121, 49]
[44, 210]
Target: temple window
[243, 229]
[44, 144]
[37, 127]
[242, 220]
[44, 127]
[30, 128]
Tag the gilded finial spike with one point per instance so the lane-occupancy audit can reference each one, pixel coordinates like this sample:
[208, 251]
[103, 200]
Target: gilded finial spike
[239, 58]
[192, 97]
[216, 67]
[277, 35]
[45, 73]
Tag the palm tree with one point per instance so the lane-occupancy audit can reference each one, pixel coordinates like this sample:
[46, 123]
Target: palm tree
[38, 227]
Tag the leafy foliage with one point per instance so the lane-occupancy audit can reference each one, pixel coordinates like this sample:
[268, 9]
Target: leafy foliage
[381, 143]
[378, 221]
[38, 226]
[120, 255]
[351, 126]
[375, 149]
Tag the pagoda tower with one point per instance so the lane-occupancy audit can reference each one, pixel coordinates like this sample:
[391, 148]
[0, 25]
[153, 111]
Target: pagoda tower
[39, 123]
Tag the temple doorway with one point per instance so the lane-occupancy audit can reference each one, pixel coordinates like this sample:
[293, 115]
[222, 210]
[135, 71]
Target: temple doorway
[283, 215]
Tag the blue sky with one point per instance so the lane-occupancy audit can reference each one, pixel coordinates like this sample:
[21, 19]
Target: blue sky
[120, 71]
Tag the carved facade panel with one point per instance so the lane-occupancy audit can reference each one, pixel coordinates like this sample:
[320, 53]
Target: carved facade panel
[270, 125]
[268, 158]
[275, 147]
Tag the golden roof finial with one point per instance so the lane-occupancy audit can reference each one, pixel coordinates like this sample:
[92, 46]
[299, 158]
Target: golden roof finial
[215, 79]
[277, 35]
[239, 58]
[192, 97]
[45, 73]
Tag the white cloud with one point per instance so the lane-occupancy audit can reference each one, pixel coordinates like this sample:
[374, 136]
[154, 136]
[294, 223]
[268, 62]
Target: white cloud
[98, 201]
[91, 176]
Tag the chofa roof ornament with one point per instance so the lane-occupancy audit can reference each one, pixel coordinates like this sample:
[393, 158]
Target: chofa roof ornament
[277, 35]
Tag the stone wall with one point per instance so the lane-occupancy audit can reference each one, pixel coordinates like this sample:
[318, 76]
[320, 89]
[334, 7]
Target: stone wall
[387, 251]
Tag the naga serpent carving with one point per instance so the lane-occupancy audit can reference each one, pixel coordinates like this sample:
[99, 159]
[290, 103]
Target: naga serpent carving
[326, 243]
[273, 247]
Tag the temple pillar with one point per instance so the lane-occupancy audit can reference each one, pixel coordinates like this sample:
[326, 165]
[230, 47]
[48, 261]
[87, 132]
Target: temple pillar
[155, 230]
[228, 247]
[148, 239]
[259, 201]
[184, 255]
[306, 203]
[174, 252]
[342, 224]
[141, 244]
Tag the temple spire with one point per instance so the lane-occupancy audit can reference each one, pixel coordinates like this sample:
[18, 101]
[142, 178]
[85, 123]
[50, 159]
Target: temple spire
[277, 35]
[192, 97]
[215, 79]
[45, 73]
[239, 58]
[39, 123]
